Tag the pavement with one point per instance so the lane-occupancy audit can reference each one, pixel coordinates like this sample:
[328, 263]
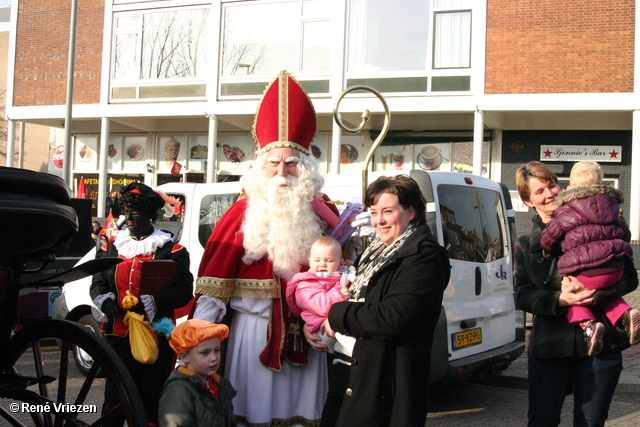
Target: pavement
[629, 379]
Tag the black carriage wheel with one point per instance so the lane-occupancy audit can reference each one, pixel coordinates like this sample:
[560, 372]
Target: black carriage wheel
[69, 334]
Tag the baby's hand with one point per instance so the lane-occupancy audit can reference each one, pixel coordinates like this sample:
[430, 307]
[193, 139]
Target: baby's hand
[572, 284]
[345, 292]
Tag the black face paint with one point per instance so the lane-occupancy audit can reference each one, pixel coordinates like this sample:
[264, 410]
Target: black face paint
[139, 223]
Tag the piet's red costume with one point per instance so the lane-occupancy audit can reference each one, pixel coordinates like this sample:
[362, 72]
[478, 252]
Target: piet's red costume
[117, 280]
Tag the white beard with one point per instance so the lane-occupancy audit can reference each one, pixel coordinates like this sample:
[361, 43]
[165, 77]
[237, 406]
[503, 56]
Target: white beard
[280, 223]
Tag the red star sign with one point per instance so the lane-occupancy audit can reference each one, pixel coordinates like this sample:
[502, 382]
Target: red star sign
[613, 154]
[547, 153]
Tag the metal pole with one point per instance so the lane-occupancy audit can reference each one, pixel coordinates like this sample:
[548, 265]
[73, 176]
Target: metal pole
[66, 176]
[336, 137]
[103, 191]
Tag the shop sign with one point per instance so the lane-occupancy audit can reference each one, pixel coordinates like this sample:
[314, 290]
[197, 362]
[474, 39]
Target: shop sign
[112, 181]
[576, 153]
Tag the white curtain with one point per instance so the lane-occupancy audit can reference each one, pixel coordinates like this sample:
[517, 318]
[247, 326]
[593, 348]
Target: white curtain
[357, 35]
[452, 45]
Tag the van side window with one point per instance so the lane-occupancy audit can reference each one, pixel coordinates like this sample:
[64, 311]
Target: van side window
[212, 207]
[473, 223]
[170, 218]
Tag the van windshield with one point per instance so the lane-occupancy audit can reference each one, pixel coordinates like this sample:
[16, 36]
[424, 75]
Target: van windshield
[473, 223]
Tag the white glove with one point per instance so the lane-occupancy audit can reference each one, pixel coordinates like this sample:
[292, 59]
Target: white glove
[363, 224]
[210, 309]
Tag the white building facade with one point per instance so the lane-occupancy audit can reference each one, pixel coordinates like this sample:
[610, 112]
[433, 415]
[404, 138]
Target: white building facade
[167, 90]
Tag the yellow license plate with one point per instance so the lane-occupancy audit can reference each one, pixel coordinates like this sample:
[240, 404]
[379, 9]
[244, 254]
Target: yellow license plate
[466, 338]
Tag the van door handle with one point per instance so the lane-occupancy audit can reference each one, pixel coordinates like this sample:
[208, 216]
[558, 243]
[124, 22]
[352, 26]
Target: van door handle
[478, 281]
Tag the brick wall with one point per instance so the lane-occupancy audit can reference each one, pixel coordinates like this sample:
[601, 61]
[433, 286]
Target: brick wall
[42, 52]
[553, 46]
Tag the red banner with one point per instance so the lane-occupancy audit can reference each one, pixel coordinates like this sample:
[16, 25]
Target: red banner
[82, 190]
[175, 170]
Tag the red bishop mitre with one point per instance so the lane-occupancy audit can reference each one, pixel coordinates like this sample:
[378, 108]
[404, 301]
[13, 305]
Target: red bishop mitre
[285, 117]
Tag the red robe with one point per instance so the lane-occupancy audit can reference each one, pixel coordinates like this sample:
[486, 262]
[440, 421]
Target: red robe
[222, 274]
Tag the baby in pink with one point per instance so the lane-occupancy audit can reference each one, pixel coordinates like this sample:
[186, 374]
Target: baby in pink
[311, 294]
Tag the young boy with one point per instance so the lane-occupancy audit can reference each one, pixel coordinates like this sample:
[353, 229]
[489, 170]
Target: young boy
[311, 294]
[594, 241]
[194, 395]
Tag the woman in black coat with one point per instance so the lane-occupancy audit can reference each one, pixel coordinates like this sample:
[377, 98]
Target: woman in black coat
[381, 373]
[558, 361]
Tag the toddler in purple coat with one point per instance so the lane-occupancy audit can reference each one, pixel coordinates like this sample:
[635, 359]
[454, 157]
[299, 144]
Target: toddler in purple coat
[311, 294]
[593, 238]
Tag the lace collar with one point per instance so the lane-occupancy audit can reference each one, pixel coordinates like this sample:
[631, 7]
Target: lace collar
[129, 247]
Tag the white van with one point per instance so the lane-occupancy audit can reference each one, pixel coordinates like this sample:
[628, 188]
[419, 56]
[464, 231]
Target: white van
[479, 329]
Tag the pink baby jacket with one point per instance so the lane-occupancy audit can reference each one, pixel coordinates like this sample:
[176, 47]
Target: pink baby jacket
[311, 297]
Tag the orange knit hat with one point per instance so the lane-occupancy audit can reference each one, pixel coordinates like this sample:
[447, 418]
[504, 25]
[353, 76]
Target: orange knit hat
[192, 332]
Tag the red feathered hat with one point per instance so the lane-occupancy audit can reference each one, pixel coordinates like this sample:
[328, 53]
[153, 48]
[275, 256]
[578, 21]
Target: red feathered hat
[285, 116]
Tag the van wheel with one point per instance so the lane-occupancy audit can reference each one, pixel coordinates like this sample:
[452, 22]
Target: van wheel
[82, 359]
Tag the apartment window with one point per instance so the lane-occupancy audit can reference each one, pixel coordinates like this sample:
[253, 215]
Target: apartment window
[261, 38]
[160, 53]
[403, 46]
[387, 36]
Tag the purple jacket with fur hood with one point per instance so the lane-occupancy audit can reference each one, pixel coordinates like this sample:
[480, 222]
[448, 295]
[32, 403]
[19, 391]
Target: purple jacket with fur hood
[588, 229]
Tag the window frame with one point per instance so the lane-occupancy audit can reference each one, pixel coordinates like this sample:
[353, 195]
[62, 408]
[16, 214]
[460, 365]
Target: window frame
[322, 77]
[395, 77]
[140, 89]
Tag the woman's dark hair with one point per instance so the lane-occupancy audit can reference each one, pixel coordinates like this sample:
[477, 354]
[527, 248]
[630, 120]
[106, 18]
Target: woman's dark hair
[407, 191]
[137, 202]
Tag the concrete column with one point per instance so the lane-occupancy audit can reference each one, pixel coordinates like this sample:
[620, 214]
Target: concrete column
[212, 152]
[478, 136]
[21, 147]
[634, 203]
[103, 156]
[11, 142]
